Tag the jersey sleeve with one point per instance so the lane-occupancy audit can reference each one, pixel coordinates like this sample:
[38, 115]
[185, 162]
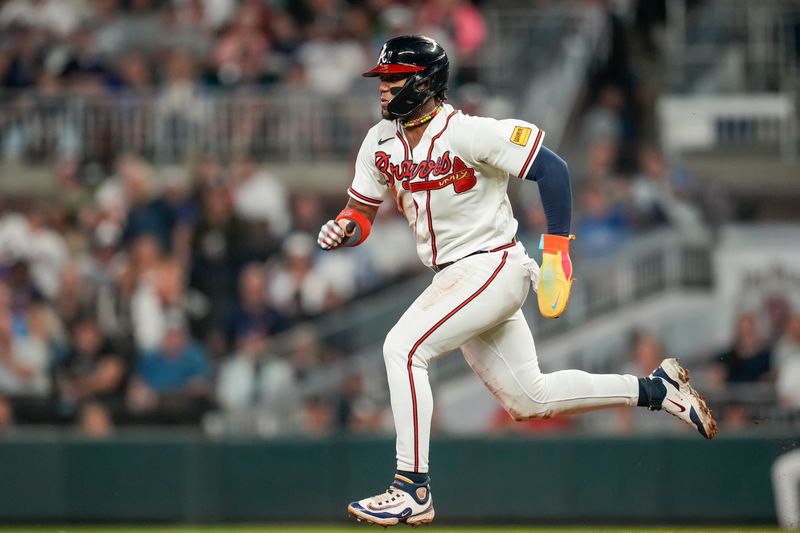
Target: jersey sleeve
[510, 145]
[368, 185]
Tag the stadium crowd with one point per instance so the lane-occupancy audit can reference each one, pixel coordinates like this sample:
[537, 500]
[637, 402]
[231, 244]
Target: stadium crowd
[155, 294]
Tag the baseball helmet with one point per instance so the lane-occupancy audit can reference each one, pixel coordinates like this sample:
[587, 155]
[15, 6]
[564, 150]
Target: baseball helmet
[426, 63]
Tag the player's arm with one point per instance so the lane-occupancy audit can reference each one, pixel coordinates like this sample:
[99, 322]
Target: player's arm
[350, 228]
[551, 174]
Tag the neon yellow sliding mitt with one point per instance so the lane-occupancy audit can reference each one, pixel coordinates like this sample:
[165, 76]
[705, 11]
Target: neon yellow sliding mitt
[555, 276]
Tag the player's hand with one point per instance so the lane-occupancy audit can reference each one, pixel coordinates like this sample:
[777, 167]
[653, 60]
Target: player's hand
[330, 235]
[555, 276]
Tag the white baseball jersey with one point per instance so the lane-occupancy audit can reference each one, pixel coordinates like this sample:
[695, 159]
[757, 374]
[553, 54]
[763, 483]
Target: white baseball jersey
[452, 185]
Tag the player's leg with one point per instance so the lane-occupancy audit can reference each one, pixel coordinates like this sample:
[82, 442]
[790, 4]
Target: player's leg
[504, 357]
[786, 486]
[466, 298]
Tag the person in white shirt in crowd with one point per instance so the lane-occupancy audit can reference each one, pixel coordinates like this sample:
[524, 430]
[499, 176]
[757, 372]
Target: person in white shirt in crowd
[255, 388]
[258, 196]
[787, 365]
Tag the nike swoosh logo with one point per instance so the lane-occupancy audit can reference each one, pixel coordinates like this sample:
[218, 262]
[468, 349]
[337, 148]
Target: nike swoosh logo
[558, 297]
[380, 142]
[682, 408]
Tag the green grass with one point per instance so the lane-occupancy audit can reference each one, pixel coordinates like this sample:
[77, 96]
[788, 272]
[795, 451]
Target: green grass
[368, 529]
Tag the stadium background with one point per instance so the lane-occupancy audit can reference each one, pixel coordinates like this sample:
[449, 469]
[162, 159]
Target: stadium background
[174, 348]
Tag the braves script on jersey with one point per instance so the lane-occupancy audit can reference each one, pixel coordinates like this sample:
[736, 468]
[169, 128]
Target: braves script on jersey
[452, 185]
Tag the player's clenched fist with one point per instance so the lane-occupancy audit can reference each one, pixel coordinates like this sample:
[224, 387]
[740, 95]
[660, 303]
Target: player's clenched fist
[330, 235]
[555, 275]
[350, 228]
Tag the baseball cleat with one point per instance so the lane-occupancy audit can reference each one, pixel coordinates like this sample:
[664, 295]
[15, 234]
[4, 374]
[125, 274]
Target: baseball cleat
[682, 400]
[404, 501]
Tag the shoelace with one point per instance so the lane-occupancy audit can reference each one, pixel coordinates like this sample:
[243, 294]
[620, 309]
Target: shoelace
[389, 496]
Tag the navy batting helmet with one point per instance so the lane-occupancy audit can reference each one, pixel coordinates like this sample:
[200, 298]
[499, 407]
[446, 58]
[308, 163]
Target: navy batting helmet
[426, 63]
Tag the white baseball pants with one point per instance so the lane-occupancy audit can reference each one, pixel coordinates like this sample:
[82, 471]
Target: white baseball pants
[786, 486]
[475, 304]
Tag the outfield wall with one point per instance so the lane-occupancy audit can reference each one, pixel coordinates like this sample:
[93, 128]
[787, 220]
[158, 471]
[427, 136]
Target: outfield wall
[188, 479]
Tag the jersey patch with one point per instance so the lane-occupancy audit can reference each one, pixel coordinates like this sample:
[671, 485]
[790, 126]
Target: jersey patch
[520, 135]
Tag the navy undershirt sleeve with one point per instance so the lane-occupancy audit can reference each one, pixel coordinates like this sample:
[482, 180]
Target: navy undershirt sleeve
[550, 172]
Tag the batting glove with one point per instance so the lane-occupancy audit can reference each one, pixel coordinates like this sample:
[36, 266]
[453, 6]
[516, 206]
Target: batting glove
[555, 275]
[330, 235]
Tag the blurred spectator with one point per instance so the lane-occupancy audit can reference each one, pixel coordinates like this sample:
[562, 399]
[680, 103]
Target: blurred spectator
[646, 353]
[186, 27]
[779, 313]
[6, 414]
[160, 294]
[133, 73]
[307, 215]
[84, 67]
[258, 196]
[93, 372]
[148, 214]
[30, 240]
[787, 365]
[180, 104]
[748, 359]
[173, 382]
[602, 121]
[95, 421]
[332, 65]
[465, 26]
[356, 411]
[302, 287]
[253, 377]
[317, 417]
[55, 17]
[253, 310]
[242, 52]
[218, 251]
[602, 227]
[389, 262]
[24, 377]
[660, 194]
[48, 253]
[74, 297]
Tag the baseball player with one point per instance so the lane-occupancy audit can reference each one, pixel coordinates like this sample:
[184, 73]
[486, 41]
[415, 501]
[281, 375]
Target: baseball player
[448, 173]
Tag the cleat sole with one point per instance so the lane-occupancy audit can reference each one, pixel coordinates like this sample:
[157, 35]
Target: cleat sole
[413, 521]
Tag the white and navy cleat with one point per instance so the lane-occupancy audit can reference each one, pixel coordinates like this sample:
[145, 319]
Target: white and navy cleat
[682, 400]
[404, 501]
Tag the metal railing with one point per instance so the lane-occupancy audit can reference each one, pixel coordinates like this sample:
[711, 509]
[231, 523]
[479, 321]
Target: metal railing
[165, 129]
[176, 124]
[733, 46]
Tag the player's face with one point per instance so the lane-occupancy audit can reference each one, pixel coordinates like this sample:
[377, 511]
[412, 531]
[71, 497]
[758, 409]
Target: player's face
[389, 82]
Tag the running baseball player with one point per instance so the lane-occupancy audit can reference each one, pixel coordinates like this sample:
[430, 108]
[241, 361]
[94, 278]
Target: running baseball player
[448, 173]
